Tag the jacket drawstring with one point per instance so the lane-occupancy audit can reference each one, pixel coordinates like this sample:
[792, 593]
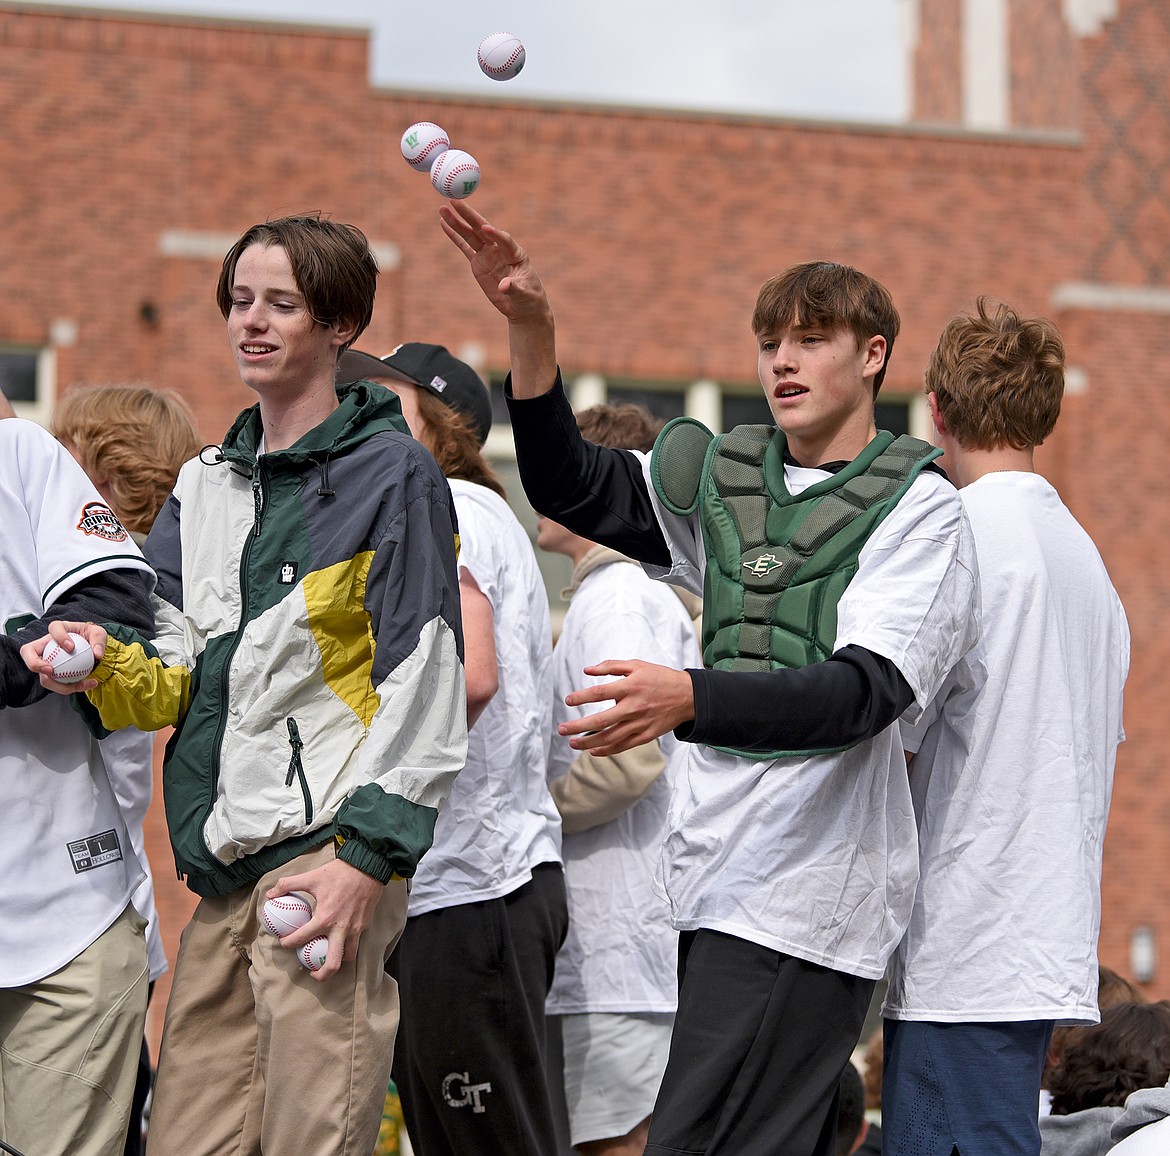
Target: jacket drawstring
[324, 490]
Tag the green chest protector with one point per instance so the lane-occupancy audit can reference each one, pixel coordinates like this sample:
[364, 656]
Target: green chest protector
[777, 563]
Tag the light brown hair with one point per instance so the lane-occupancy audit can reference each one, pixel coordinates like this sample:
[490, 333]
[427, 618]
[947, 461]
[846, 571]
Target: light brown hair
[998, 378]
[454, 444]
[133, 440]
[331, 262]
[823, 293]
[620, 427]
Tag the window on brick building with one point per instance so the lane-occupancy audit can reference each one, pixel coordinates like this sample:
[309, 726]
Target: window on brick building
[25, 378]
[663, 403]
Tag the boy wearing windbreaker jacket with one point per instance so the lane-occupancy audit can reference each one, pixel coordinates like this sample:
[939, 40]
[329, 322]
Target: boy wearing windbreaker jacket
[309, 655]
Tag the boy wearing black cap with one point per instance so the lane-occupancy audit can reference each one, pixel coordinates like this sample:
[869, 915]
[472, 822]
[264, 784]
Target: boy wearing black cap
[428, 367]
[487, 912]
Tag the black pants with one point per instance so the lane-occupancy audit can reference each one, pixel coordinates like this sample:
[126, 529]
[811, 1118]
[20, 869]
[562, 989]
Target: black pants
[135, 1144]
[469, 1060]
[760, 1041]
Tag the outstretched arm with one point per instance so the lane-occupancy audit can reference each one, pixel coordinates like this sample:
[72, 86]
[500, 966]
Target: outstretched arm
[509, 280]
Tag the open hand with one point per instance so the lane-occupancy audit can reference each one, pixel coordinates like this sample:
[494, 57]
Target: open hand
[649, 700]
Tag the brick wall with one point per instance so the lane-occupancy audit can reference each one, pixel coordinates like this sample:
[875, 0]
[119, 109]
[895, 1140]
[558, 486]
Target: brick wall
[1045, 87]
[937, 82]
[652, 230]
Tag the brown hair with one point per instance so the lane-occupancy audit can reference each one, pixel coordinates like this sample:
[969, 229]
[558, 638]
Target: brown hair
[620, 427]
[454, 443]
[132, 439]
[1112, 989]
[832, 295]
[331, 262]
[1103, 1063]
[998, 378]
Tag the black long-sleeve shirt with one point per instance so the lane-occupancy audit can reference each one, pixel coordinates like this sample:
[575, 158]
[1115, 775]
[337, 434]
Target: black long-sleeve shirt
[111, 596]
[601, 494]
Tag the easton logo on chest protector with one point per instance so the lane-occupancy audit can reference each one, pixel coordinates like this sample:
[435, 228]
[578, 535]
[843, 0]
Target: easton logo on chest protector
[764, 564]
[99, 520]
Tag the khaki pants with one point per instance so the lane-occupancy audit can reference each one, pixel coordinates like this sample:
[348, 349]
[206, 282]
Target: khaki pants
[257, 1056]
[69, 1048]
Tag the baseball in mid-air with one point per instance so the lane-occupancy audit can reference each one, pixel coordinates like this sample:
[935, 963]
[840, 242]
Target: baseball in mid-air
[284, 914]
[312, 955]
[422, 143]
[70, 666]
[455, 174]
[501, 56]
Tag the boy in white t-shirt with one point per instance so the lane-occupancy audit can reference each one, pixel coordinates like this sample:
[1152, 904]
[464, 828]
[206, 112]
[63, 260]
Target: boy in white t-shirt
[839, 592]
[1013, 770]
[616, 989]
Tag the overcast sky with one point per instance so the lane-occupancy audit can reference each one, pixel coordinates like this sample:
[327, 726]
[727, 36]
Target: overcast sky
[805, 58]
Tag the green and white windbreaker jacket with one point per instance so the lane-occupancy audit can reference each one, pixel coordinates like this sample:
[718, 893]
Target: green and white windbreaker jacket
[309, 649]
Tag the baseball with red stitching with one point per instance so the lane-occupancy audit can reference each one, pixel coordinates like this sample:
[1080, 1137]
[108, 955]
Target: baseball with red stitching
[284, 914]
[501, 56]
[312, 955]
[70, 665]
[422, 143]
[455, 174]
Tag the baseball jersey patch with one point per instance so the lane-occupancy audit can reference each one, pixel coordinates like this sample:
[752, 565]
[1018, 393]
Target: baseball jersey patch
[97, 518]
[95, 851]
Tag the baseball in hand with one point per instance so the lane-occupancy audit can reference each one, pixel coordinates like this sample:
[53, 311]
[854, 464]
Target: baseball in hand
[284, 914]
[70, 666]
[455, 174]
[422, 143]
[312, 955]
[501, 56]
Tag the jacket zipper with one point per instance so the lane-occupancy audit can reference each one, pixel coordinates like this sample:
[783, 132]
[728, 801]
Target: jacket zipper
[296, 768]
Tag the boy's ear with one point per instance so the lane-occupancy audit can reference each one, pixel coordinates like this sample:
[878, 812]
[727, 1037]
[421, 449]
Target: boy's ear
[936, 416]
[875, 355]
[344, 331]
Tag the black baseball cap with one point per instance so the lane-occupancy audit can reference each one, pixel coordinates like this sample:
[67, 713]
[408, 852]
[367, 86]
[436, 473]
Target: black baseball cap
[429, 367]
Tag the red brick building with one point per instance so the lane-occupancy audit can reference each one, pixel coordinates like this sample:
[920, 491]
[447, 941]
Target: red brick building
[134, 149]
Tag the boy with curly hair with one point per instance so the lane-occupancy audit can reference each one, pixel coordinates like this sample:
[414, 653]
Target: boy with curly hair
[1011, 770]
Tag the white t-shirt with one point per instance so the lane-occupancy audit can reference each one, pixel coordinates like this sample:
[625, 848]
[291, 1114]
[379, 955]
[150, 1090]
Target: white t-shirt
[66, 860]
[621, 953]
[500, 820]
[817, 857]
[1013, 775]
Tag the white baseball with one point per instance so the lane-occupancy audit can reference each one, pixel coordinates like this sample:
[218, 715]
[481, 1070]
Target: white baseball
[455, 174]
[312, 955]
[422, 142]
[284, 914]
[70, 666]
[501, 56]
